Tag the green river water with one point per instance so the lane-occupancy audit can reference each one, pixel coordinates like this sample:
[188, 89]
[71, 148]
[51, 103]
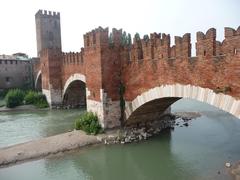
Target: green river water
[195, 152]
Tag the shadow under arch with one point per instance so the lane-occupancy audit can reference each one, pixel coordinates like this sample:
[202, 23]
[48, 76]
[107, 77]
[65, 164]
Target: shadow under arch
[152, 103]
[74, 92]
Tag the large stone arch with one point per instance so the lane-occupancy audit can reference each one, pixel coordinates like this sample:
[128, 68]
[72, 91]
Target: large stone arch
[74, 91]
[171, 93]
[38, 81]
[74, 77]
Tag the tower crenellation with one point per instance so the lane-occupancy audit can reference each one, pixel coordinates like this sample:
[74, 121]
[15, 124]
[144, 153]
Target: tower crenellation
[45, 13]
[48, 30]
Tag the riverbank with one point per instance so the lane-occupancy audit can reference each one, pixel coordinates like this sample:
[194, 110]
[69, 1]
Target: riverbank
[46, 146]
[21, 108]
[235, 171]
[78, 139]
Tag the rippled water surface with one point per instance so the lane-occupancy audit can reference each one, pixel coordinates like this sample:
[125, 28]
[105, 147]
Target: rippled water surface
[18, 127]
[195, 152]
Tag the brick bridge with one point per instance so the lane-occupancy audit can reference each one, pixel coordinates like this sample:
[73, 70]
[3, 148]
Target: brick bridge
[126, 82]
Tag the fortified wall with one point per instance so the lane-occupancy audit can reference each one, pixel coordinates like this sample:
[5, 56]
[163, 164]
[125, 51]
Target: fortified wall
[120, 77]
[211, 77]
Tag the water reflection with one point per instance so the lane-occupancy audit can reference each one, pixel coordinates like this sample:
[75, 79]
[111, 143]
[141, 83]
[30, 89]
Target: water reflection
[195, 152]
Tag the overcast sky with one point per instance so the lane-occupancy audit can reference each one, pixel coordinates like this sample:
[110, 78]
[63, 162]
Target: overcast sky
[176, 17]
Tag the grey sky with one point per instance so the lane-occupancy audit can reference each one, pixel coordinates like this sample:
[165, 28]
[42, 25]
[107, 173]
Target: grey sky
[176, 17]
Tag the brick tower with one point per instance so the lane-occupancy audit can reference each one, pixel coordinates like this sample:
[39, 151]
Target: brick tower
[48, 30]
[49, 49]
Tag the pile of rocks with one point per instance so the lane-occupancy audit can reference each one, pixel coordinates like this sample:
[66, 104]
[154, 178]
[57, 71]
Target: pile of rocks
[142, 131]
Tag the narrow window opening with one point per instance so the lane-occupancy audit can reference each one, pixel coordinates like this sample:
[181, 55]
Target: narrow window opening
[204, 52]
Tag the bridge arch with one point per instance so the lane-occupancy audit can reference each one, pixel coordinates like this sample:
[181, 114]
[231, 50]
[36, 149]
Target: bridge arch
[38, 81]
[74, 91]
[165, 95]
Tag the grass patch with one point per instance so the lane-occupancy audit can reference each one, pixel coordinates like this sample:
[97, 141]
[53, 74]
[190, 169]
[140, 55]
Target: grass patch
[89, 123]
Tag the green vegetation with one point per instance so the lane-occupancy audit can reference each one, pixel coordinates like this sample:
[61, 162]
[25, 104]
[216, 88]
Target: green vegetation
[14, 98]
[36, 98]
[146, 38]
[30, 97]
[88, 122]
[3, 93]
[137, 37]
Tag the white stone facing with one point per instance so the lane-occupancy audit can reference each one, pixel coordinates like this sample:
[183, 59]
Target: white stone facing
[108, 111]
[46, 92]
[96, 107]
[74, 77]
[222, 101]
[36, 80]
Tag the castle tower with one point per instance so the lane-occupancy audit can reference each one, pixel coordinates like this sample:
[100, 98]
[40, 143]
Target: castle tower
[48, 30]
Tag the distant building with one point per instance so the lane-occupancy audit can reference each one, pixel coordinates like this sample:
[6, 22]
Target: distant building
[15, 71]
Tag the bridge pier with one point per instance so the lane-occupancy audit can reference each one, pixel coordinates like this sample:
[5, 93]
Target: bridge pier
[108, 111]
[53, 96]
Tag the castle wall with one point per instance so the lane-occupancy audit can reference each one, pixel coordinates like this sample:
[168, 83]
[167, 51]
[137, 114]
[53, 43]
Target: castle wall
[207, 70]
[106, 63]
[15, 73]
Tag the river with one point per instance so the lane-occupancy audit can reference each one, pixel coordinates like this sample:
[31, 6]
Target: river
[195, 152]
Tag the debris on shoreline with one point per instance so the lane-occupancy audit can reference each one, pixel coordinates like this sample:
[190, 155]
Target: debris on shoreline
[145, 130]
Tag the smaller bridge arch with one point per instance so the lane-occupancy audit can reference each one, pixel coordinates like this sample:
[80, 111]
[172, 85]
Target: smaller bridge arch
[168, 94]
[74, 91]
[38, 81]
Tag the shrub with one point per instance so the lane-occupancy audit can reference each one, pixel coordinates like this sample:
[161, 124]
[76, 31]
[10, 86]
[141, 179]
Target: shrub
[37, 99]
[14, 98]
[88, 122]
[41, 101]
[30, 97]
[3, 93]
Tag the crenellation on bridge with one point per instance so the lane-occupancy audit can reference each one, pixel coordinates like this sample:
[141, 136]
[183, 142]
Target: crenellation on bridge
[96, 38]
[183, 46]
[72, 58]
[153, 73]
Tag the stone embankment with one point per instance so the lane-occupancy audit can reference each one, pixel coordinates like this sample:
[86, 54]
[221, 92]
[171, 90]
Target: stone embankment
[78, 139]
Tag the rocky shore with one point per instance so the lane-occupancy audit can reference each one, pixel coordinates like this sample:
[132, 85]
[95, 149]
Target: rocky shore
[235, 170]
[145, 130]
[78, 139]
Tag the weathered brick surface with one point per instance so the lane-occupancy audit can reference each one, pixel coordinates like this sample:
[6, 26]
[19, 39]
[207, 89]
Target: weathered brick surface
[147, 63]
[212, 68]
